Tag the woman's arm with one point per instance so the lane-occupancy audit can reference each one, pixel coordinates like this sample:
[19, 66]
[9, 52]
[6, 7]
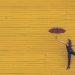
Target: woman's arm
[61, 42]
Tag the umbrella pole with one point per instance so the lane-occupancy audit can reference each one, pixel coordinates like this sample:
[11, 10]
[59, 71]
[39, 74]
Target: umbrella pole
[56, 37]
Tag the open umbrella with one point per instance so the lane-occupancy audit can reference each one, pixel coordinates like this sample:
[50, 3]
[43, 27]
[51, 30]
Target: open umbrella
[57, 30]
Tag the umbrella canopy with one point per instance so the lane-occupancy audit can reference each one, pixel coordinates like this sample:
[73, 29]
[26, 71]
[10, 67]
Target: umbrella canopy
[57, 30]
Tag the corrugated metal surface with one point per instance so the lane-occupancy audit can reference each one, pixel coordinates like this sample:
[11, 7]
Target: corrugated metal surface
[26, 46]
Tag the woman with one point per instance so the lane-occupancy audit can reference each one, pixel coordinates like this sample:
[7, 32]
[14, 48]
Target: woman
[69, 51]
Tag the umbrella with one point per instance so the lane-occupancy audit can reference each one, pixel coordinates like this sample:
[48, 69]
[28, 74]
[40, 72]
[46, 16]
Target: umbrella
[57, 30]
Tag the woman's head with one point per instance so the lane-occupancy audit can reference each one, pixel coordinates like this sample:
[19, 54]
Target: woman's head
[69, 41]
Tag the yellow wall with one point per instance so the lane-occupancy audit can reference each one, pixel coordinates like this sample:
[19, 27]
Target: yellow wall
[26, 46]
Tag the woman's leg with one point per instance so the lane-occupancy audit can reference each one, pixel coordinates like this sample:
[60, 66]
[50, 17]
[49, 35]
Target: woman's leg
[73, 53]
[69, 60]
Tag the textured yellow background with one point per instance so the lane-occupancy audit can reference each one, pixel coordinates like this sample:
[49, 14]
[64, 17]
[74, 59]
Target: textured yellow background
[26, 46]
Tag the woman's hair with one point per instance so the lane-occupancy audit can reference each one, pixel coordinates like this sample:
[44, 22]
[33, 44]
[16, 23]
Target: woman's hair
[70, 42]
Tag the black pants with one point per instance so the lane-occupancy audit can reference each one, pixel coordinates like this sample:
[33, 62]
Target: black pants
[69, 58]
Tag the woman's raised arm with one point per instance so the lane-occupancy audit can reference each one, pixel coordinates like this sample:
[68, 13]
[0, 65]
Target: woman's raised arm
[61, 42]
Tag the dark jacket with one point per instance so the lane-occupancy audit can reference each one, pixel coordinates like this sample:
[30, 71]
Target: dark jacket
[69, 48]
